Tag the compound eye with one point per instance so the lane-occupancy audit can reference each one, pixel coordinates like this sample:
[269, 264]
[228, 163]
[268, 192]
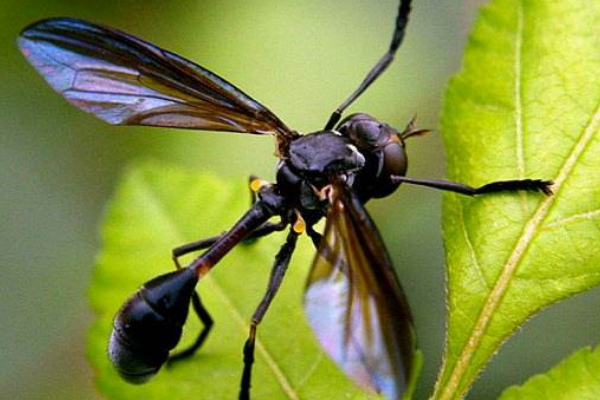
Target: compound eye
[394, 159]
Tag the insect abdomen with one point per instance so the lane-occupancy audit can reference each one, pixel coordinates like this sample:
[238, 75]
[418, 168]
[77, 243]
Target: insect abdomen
[149, 325]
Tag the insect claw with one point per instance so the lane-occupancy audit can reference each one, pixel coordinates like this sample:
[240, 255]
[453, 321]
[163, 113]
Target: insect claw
[546, 187]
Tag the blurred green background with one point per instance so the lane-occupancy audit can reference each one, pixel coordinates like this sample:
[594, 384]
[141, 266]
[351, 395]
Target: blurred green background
[58, 166]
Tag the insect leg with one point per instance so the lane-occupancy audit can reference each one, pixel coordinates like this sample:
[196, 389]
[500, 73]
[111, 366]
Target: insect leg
[282, 260]
[264, 230]
[384, 62]
[532, 185]
[199, 308]
[207, 323]
[315, 236]
[201, 312]
[191, 247]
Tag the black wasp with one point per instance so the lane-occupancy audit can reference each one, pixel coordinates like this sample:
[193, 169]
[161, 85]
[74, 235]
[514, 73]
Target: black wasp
[353, 300]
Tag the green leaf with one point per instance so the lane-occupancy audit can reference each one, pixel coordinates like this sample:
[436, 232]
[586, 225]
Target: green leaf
[157, 208]
[574, 378]
[526, 104]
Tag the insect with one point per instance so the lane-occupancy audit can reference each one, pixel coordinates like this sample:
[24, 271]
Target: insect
[353, 299]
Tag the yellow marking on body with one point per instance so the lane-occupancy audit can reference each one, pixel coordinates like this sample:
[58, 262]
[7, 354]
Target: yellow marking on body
[257, 184]
[300, 224]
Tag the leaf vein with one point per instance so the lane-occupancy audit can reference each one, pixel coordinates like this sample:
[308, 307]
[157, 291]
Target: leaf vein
[531, 229]
[573, 219]
[474, 258]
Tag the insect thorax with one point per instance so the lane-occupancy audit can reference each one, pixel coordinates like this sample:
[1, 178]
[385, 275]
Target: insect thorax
[363, 150]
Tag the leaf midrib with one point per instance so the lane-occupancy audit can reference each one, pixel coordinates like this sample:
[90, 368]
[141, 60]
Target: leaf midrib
[238, 317]
[531, 229]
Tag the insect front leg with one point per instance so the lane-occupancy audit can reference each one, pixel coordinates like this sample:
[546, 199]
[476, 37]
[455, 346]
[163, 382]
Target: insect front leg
[315, 236]
[531, 185]
[380, 67]
[282, 260]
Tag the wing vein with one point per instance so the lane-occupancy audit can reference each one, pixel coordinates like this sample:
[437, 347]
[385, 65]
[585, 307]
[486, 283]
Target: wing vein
[110, 74]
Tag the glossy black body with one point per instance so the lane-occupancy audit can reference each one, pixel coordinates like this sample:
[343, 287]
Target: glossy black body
[150, 324]
[384, 151]
[367, 152]
[353, 301]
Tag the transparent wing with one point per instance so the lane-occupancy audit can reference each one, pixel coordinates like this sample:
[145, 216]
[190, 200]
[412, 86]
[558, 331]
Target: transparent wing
[355, 304]
[124, 80]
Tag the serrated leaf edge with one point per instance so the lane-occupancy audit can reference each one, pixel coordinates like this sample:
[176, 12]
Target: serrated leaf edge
[532, 227]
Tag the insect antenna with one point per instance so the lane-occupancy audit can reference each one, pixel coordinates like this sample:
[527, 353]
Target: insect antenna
[382, 64]
[412, 130]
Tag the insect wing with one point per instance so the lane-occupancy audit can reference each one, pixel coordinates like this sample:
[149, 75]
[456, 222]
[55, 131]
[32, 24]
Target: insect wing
[355, 305]
[126, 81]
